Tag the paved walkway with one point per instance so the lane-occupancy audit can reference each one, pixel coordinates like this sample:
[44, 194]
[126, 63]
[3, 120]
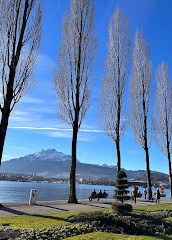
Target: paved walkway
[23, 208]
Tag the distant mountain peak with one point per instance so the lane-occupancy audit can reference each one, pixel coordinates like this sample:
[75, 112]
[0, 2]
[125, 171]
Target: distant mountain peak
[104, 165]
[43, 152]
[51, 154]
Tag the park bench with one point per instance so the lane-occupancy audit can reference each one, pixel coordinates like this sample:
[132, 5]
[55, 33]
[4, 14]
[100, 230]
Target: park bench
[98, 196]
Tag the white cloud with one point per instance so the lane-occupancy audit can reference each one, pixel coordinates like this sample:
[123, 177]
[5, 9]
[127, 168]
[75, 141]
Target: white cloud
[58, 129]
[63, 134]
[91, 130]
[7, 157]
[18, 147]
[45, 62]
[83, 135]
[32, 100]
[87, 138]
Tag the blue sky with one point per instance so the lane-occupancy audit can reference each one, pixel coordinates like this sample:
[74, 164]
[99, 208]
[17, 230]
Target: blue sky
[35, 125]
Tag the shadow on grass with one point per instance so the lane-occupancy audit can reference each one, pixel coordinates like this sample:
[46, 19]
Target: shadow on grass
[52, 218]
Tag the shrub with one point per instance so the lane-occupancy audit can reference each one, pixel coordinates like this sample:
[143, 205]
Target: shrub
[121, 194]
[121, 187]
[121, 208]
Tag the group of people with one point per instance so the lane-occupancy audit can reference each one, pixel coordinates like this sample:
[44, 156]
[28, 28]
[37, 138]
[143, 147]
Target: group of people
[98, 195]
[136, 193]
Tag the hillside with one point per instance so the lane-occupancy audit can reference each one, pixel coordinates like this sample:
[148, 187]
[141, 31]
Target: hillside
[51, 163]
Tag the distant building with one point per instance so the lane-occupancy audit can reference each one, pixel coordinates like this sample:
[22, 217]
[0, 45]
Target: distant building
[132, 183]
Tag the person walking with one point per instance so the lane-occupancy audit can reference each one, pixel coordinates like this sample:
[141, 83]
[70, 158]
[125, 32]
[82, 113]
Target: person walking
[157, 195]
[145, 192]
[134, 194]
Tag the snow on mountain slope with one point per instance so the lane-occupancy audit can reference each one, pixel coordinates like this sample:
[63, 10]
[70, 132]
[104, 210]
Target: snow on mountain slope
[51, 154]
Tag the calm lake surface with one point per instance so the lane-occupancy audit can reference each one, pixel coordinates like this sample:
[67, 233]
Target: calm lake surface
[20, 191]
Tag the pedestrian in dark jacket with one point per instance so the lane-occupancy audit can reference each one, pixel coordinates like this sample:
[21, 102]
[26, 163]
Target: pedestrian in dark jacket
[145, 192]
[157, 195]
[134, 194]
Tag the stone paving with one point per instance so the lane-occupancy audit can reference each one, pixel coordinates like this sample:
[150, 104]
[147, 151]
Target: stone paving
[23, 208]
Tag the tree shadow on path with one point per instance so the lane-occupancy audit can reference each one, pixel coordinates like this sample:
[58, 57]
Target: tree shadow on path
[13, 211]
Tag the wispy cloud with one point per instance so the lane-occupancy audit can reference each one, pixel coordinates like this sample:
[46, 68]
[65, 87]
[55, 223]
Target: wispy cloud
[64, 134]
[18, 147]
[58, 129]
[32, 100]
[38, 115]
[7, 157]
[86, 135]
[45, 62]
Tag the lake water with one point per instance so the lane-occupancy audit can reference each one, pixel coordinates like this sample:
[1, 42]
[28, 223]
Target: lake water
[20, 191]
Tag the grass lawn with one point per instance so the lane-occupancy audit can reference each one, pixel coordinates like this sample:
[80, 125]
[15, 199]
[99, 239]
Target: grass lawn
[38, 221]
[112, 236]
[61, 219]
[154, 207]
[59, 223]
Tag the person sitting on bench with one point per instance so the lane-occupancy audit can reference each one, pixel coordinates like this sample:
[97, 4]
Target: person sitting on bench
[104, 194]
[93, 195]
[99, 195]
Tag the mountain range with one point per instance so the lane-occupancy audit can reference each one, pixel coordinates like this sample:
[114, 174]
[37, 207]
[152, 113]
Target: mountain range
[51, 163]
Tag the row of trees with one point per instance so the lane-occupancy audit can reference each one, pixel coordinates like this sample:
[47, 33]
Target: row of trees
[72, 84]
[20, 35]
[112, 96]
[112, 104]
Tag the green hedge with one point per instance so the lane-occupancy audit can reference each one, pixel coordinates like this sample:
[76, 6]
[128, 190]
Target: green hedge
[121, 208]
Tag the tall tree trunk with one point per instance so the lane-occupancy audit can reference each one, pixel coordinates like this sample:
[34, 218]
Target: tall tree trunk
[148, 174]
[72, 194]
[118, 156]
[118, 137]
[146, 148]
[118, 112]
[170, 174]
[4, 125]
[168, 152]
[3, 131]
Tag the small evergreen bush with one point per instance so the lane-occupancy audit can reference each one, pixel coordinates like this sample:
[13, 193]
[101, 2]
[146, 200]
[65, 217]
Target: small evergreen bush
[121, 194]
[121, 208]
[121, 187]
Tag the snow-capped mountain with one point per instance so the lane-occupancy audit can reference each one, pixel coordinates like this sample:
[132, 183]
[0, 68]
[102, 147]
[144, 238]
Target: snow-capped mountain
[50, 154]
[51, 163]
[105, 165]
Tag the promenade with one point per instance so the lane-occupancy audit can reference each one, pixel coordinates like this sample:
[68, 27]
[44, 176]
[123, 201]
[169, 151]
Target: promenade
[23, 208]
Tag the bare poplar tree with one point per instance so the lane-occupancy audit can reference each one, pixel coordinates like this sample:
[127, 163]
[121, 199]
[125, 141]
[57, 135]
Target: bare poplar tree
[111, 100]
[20, 35]
[72, 80]
[162, 117]
[140, 98]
